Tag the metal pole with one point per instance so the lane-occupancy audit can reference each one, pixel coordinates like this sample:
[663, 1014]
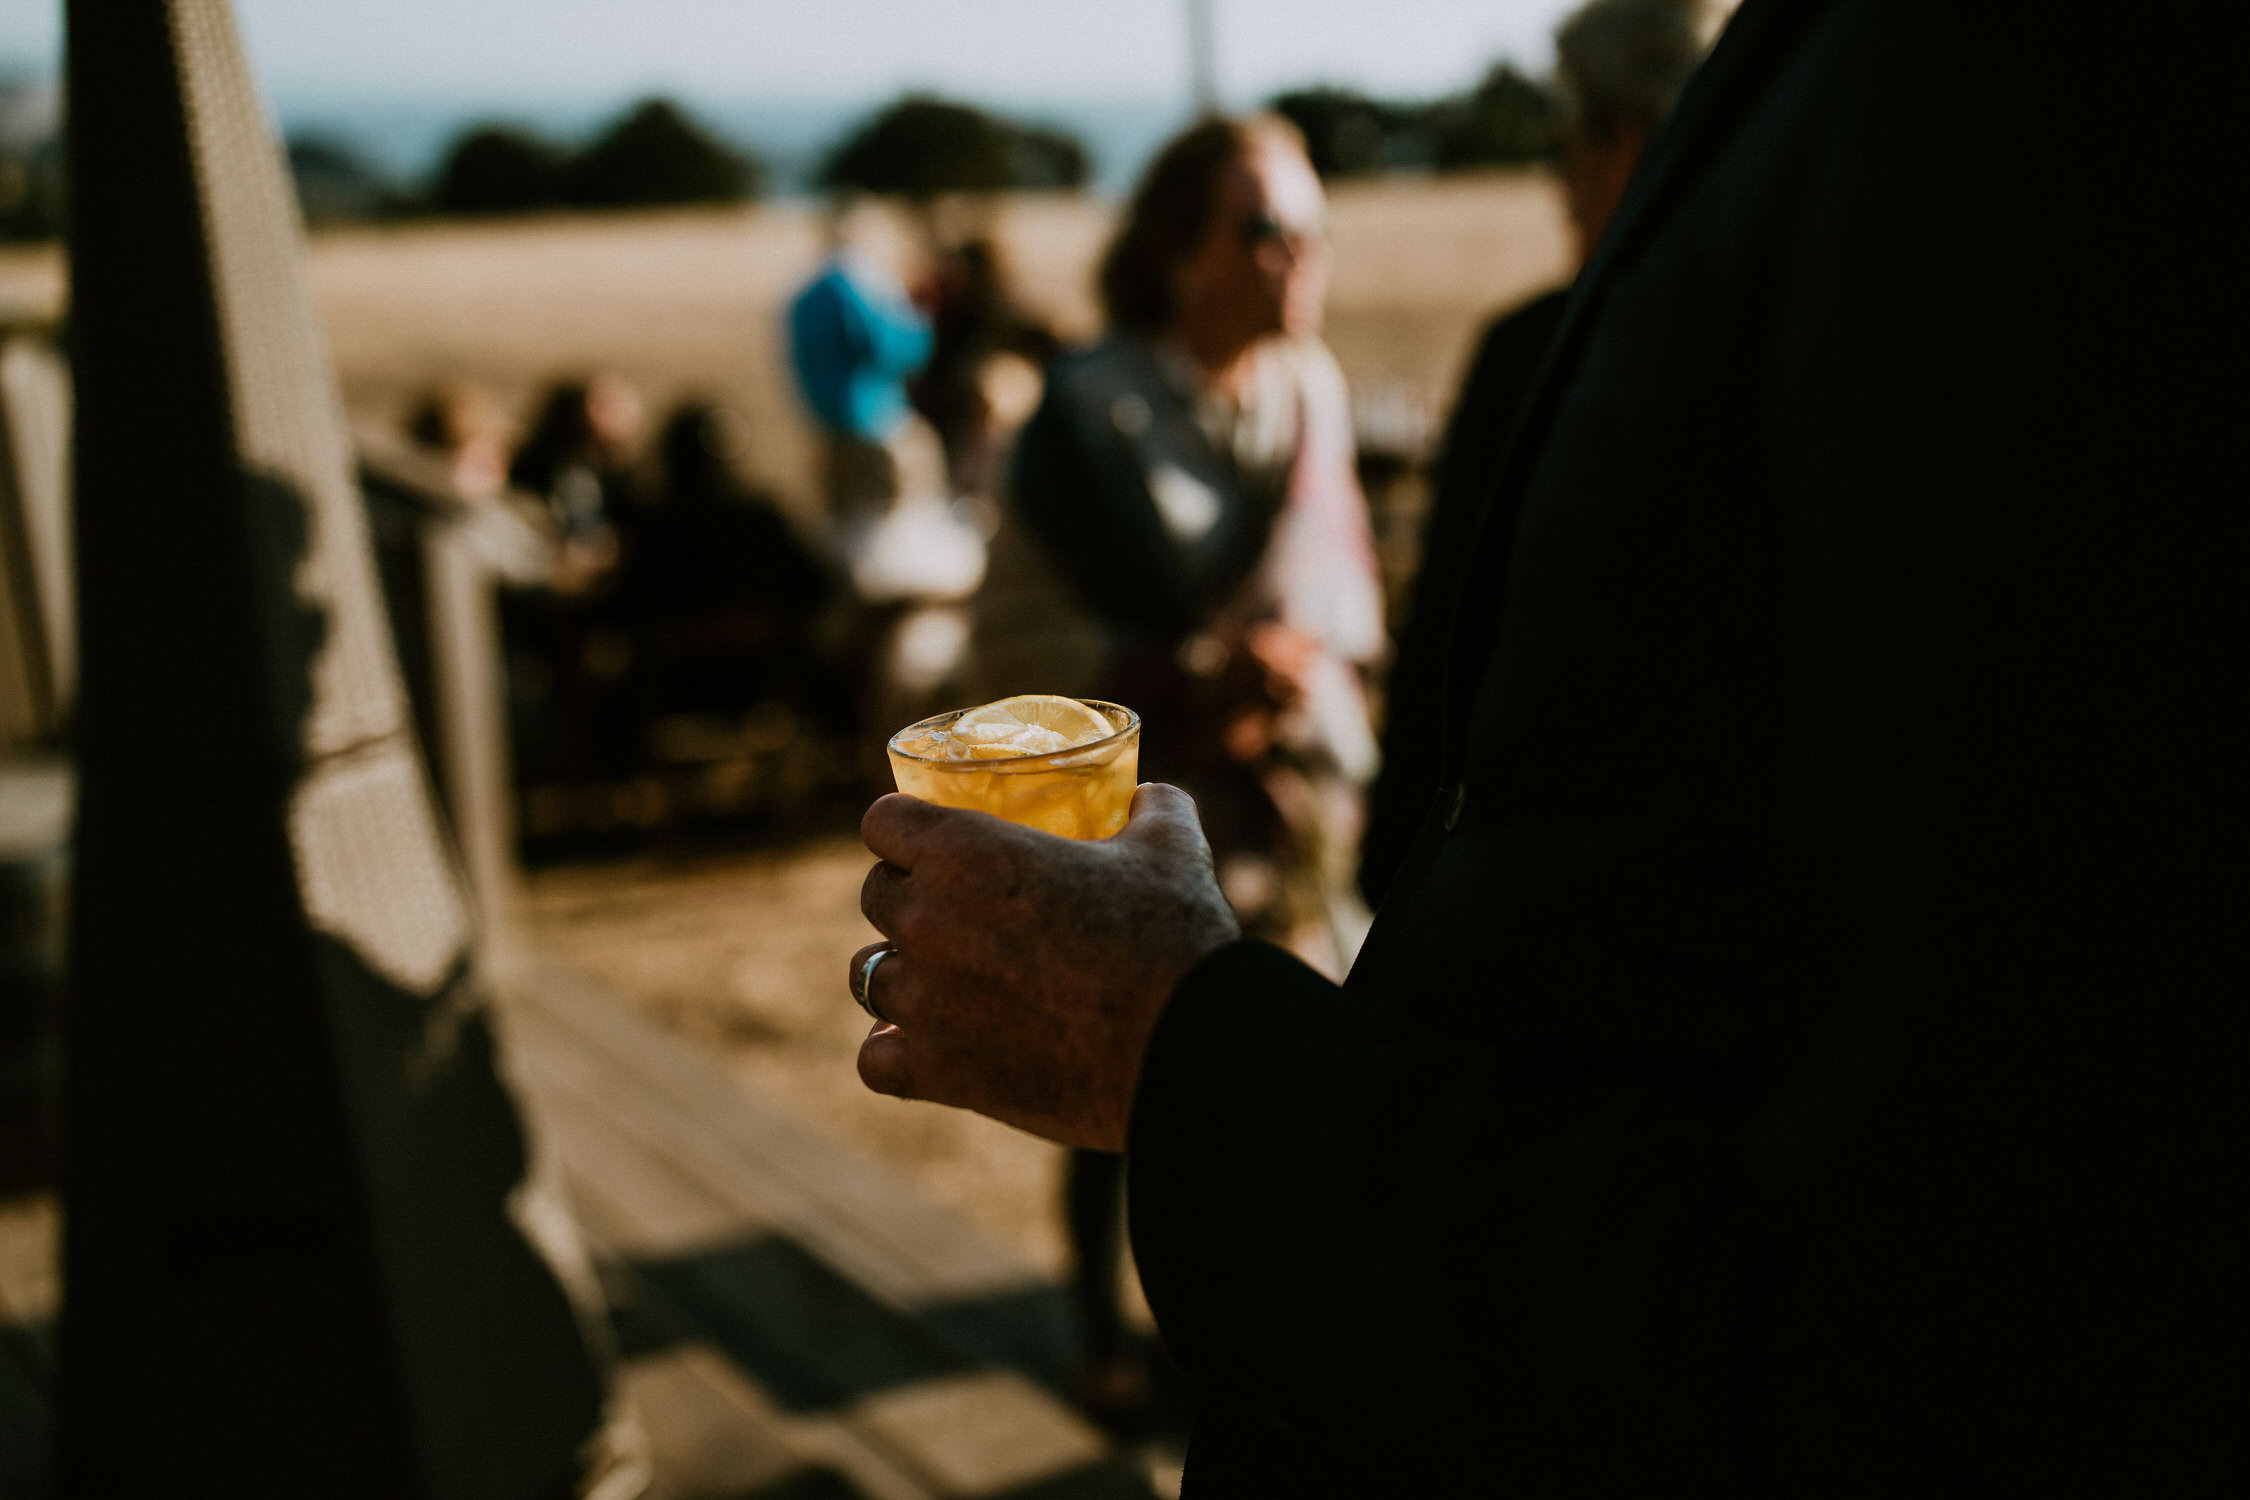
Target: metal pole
[1203, 55]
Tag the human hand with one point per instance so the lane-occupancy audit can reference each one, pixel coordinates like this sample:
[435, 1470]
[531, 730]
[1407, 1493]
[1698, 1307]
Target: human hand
[1030, 970]
[1287, 654]
[1274, 667]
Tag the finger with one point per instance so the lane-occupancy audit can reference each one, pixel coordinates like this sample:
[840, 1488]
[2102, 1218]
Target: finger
[896, 990]
[898, 827]
[883, 897]
[886, 1065]
[859, 966]
[1164, 818]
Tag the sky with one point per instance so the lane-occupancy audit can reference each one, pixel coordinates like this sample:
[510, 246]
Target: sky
[399, 75]
[819, 51]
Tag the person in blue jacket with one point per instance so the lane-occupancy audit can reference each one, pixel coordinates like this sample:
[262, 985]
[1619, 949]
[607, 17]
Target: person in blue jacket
[854, 340]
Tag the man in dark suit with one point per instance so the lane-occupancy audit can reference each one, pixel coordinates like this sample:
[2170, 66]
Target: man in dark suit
[1619, 64]
[1802, 1052]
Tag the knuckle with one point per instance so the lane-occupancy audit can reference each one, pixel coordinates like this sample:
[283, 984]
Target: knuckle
[879, 891]
[894, 993]
[885, 1067]
[910, 925]
[889, 822]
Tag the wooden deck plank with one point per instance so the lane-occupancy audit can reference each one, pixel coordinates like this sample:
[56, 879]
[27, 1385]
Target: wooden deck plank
[633, 1201]
[679, 1175]
[589, 1054]
[30, 1266]
[30, 1299]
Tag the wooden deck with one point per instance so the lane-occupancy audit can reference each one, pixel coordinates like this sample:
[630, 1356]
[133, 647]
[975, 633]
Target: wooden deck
[793, 1322]
[30, 1236]
[792, 1318]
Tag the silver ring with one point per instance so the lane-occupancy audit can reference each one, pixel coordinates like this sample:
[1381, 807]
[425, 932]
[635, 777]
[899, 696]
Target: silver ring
[864, 991]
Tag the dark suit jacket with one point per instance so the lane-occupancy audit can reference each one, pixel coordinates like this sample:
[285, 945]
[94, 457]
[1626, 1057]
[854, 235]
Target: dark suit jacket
[1501, 377]
[1804, 1050]
[1112, 417]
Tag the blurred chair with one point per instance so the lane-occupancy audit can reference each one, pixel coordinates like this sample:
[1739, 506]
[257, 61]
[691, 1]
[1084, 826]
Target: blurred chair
[36, 670]
[442, 557]
[300, 1256]
[37, 656]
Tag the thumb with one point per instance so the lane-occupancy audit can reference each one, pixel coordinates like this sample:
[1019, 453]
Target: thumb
[1164, 820]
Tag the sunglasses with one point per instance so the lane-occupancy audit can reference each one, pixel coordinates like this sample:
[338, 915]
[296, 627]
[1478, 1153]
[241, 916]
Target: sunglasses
[1261, 229]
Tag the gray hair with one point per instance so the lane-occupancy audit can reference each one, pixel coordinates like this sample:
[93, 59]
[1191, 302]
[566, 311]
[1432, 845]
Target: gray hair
[1621, 62]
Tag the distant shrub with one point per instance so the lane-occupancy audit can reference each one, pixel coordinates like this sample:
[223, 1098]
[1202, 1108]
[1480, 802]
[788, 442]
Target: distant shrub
[922, 146]
[1506, 120]
[1347, 134]
[497, 169]
[1044, 157]
[32, 192]
[656, 154]
[33, 189]
[334, 182]
[652, 154]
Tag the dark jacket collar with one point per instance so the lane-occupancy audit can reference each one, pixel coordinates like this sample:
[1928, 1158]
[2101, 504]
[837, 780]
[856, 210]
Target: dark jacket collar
[1748, 54]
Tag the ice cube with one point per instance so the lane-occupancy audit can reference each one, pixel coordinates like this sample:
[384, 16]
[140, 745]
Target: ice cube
[1037, 739]
[989, 733]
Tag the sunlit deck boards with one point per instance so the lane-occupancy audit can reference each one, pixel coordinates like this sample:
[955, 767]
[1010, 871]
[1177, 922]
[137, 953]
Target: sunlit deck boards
[792, 1317]
[796, 1324]
[30, 1234]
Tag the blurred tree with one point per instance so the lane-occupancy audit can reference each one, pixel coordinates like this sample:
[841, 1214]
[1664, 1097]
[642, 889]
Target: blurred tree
[31, 159]
[921, 146]
[1348, 134]
[1507, 120]
[655, 154]
[32, 191]
[334, 182]
[1044, 157]
[497, 169]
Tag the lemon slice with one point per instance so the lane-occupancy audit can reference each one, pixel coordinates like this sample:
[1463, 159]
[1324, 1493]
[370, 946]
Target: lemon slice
[1034, 724]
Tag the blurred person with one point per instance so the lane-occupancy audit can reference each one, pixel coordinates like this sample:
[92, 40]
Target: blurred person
[722, 538]
[465, 429]
[1801, 1053]
[987, 366]
[1185, 535]
[913, 554]
[1618, 65]
[461, 423]
[1184, 531]
[570, 650]
[726, 598]
[855, 337]
[579, 459]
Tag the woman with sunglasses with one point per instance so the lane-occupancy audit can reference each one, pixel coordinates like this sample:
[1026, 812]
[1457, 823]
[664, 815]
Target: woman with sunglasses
[1184, 532]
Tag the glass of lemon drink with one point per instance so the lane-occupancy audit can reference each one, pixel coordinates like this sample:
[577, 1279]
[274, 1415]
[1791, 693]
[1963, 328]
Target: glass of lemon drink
[1061, 764]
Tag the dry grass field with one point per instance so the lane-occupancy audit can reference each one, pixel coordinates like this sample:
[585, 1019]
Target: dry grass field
[747, 953]
[689, 303]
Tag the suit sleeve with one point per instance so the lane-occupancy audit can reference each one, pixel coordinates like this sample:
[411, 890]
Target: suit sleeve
[1964, 1219]
[1397, 1247]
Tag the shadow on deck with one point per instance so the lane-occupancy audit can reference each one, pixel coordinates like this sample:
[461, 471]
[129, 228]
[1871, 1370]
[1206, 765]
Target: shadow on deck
[792, 1319]
[793, 1322]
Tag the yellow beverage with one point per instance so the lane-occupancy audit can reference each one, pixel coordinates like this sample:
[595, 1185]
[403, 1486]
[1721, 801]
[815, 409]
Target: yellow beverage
[1061, 764]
